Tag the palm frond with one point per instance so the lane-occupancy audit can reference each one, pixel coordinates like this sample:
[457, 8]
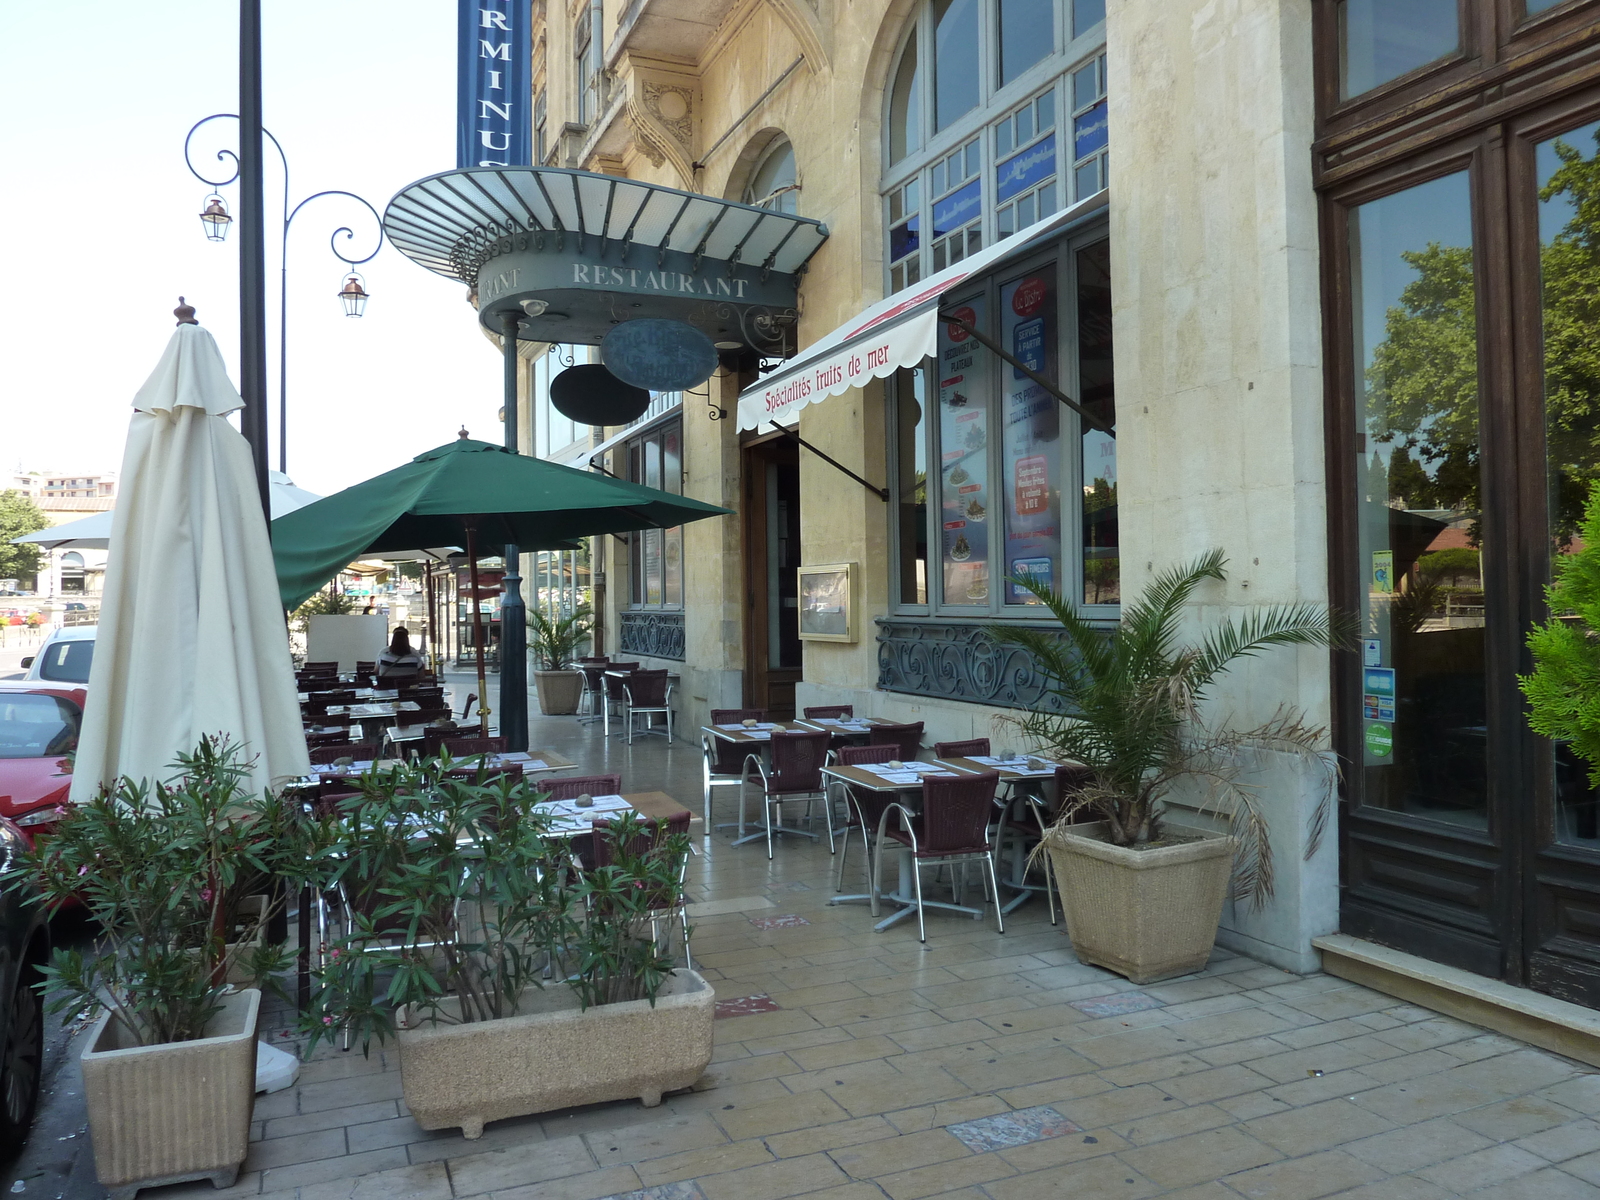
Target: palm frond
[1287, 625]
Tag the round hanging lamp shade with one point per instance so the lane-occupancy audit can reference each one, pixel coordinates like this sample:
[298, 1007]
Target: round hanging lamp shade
[662, 355]
[592, 395]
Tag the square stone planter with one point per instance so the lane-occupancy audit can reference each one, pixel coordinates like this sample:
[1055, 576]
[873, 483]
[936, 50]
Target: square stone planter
[554, 1055]
[174, 1112]
[1145, 914]
[559, 691]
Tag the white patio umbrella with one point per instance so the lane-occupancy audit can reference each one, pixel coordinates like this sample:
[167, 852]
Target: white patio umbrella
[191, 637]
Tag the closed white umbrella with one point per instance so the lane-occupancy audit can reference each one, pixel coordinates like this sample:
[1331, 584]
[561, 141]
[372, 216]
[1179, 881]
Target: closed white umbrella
[191, 637]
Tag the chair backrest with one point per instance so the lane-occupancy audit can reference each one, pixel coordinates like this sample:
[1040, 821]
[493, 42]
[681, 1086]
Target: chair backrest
[594, 672]
[647, 689]
[727, 758]
[570, 787]
[484, 772]
[830, 712]
[320, 668]
[329, 720]
[956, 812]
[357, 751]
[323, 699]
[1070, 779]
[434, 737]
[425, 716]
[605, 845]
[466, 709]
[614, 689]
[366, 668]
[734, 716]
[964, 749]
[593, 659]
[465, 747]
[908, 738]
[797, 761]
[399, 678]
[622, 666]
[854, 756]
[329, 796]
[314, 740]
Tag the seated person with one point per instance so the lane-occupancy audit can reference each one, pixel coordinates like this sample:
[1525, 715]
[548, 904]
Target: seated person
[399, 658]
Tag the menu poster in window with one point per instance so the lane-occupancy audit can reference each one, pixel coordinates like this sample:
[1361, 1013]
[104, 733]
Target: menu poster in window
[965, 502]
[1030, 447]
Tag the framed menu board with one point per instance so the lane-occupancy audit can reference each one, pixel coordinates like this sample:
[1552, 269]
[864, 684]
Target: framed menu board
[827, 603]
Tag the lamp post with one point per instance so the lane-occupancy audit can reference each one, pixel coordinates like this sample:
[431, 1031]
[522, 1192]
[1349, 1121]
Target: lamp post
[513, 612]
[216, 221]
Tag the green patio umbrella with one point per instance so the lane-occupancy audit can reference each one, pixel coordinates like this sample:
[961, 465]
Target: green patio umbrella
[461, 493]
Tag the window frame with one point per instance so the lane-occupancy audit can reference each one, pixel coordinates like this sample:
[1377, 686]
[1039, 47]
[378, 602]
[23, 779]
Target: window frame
[634, 455]
[996, 103]
[1061, 255]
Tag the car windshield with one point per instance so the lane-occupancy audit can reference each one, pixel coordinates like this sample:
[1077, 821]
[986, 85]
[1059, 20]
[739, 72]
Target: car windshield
[33, 726]
[66, 662]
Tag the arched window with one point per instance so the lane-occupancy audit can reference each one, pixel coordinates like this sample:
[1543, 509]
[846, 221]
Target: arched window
[773, 183]
[996, 117]
[72, 571]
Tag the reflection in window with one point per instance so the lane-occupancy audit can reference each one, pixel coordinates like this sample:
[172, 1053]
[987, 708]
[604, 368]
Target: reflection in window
[911, 458]
[1086, 14]
[1089, 129]
[773, 183]
[965, 389]
[1027, 34]
[1421, 521]
[655, 556]
[1380, 40]
[1102, 561]
[955, 60]
[905, 105]
[1568, 173]
[1031, 462]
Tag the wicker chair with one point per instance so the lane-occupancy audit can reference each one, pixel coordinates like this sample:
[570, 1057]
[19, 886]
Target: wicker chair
[964, 749]
[645, 694]
[952, 828]
[905, 738]
[358, 751]
[795, 774]
[593, 702]
[723, 762]
[829, 712]
[863, 808]
[605, 854]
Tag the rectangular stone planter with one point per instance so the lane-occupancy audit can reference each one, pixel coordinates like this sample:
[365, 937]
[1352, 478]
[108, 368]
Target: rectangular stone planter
[174, 1112]
[1145, 914]
[553, 1055]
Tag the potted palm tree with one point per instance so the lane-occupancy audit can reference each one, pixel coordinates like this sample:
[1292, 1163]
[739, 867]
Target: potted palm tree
[1142, 893]
[170, 1069]
[554, 640]
[514, 981]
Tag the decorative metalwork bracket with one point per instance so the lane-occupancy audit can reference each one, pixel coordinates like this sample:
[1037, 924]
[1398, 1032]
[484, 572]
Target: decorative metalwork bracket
[653, 633]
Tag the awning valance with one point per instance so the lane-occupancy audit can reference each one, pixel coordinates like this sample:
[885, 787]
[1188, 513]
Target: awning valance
[899, 331]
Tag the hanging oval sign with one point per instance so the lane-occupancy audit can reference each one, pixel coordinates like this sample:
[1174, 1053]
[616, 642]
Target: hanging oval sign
[592, 395]
[661, 355]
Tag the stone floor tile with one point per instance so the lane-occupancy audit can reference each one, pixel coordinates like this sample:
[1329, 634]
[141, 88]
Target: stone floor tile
[1304, 1178]
[1170, 1123]
[1421, 1099]
[1412, 1147]
[856, 1072]
[1517, 1073]
[1405, 1187]
[1517, 1117]
[884, 1156]
[1154, 1070]
[1025, 1020]
[1585, 1167]
[929, 1037]
[305, 1147]
[279, 1104]
[779, 1115]
[739, 1095]
[1017, 1128]
[1310, 1090]
[1581, 1094]
[802, 997]
[747, 1069]
[1094, 1179]
[1204, 1191]
[1062, 1152]
[1551, 1183]
[1135, 1045]
[1118, 1105]
[1073, 1087]
[708, 1160]
[1403, 1066]
[1489, 1166]
[1019, 1070]
[347, 1093]
[946, 1112]
[1216, 1083]
[765, 1025]
[908, 1089]
[1317, 1127]
[592, 1185]
[1564, 1141]
[1251, 1105]
[330, 1118]
[655, 1139]
[534, 1162]
[1282, 1066]
[277, 1179]
[941, 1179]
[428, 1181]
[831, 1137]
[1427, 1035]
[248, 1184]
[850, 1050]
[770, 1181]
[798, 1041]
[1199, 1157]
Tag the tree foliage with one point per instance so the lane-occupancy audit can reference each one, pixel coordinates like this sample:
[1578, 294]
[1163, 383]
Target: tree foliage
[19, 516]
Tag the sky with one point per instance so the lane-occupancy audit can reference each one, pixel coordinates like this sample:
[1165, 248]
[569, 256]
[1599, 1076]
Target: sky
[102, 224]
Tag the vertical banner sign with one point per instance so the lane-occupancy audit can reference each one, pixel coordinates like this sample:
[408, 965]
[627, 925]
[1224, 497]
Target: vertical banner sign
[494, 83]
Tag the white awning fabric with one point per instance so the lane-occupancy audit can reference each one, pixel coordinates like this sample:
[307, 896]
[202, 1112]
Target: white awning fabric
[899, 331]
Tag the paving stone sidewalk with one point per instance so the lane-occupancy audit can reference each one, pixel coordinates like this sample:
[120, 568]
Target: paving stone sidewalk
[854, 1065]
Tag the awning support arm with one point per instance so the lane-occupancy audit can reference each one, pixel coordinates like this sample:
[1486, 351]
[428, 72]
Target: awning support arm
[880, 493]
[1089, 418]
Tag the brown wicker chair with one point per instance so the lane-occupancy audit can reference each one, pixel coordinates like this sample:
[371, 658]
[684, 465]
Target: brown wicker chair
[964, 749]
[795, 774]
[952, 828]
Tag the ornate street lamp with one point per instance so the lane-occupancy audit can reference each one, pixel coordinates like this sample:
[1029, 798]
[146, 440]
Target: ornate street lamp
[215, 219]
[354, 296]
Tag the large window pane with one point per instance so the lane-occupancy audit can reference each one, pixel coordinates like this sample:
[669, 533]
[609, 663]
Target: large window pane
[1027, 34]
[955, 64]
[1031, 445]
[1421, 523]
[905, 106]
[964, 390]
[1086, 14]
[1569, 264]
[1380, 40]
[1102, 560]
[911, 456]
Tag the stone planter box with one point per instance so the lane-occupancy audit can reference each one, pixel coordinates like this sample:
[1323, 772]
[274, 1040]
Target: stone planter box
[175, 1112]
[559, 691]
[552, 1055]
[1145, 914]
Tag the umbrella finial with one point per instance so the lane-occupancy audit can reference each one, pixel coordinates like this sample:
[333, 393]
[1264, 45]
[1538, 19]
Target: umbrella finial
[184, 312]
[463, 435]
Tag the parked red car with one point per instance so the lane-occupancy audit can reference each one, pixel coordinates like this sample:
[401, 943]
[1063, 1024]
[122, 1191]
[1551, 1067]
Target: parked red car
[38, 727]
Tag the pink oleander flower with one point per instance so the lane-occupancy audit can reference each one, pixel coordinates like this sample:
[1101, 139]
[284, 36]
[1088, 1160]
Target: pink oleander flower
[205, 895]
[83, 870]
[327, 1020]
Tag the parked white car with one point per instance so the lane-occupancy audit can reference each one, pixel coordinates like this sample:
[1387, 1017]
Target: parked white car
[65, 655]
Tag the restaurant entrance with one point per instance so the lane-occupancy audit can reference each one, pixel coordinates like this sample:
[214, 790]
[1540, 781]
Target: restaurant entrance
[771, 560]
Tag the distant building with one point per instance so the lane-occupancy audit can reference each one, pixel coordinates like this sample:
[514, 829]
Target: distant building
[67, 496]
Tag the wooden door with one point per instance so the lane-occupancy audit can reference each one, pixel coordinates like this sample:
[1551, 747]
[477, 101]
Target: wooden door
[772, 559]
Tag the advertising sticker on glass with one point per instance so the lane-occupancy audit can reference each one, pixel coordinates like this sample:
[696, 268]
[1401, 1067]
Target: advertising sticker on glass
[964, 382]
[1030, 447]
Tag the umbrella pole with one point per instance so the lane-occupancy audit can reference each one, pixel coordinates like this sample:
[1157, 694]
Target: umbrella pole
[477, 626]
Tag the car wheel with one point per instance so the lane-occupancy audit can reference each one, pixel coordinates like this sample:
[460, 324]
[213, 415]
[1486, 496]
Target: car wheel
[21, 1059]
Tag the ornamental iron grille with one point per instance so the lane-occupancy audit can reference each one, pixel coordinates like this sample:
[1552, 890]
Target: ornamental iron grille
[958, 660]
[651, 633]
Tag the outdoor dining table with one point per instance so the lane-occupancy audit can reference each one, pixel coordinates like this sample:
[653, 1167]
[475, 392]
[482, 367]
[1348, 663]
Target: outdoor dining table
[572, 820]
[857, 729]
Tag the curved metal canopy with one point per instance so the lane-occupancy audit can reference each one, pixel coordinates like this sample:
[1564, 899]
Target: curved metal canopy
[453, 223]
